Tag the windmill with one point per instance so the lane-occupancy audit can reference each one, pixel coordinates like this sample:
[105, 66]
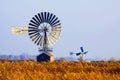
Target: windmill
[44, 29]
[80, 53]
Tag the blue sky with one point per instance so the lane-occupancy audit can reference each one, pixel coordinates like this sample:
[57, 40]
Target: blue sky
[93, 24]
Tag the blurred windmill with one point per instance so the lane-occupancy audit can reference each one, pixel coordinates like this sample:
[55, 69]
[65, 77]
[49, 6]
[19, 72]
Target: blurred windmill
[81, 53]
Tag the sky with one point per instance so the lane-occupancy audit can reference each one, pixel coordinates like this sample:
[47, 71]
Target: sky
[93, 24]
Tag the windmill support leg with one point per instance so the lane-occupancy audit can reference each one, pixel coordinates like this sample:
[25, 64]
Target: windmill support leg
[81, 57]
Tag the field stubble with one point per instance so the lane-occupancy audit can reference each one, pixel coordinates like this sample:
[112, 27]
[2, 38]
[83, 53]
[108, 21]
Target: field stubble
[59, 70]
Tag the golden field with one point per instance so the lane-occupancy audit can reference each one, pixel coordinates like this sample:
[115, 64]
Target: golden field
[59, 70]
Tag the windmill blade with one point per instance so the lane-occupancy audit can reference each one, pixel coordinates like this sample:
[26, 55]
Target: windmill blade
[54, 20]
[39, 40]
[42, 41]
[31, 36]
[45, 16]
[56, 29]
[53, 38]
[57, 25]
[35, 20]
[81, 49]
[34, 37]
[40, 17]
[57, 22]
[50, 40]
[71, 53]
[85, 52]
[77, 54]
[55, 34]
[48, 17]
[35, 23]
[49, 20]
[30, 28]
[33, 32]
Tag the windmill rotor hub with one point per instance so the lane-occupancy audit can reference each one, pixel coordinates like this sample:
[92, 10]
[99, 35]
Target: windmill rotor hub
[45, 26]
[45, 29]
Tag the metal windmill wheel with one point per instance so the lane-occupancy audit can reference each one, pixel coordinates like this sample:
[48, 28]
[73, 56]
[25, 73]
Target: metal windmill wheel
[44, 29]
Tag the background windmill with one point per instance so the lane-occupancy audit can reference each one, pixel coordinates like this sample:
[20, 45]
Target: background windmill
[80, 53]
[44, 29]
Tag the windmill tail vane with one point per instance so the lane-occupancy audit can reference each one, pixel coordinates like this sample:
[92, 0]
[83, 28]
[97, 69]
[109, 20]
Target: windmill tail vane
[19, 30]
[82, 51]
[71, 53]
[85, 52]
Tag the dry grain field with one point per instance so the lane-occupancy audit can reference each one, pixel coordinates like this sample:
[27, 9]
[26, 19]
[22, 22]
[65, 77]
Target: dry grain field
[59, 70]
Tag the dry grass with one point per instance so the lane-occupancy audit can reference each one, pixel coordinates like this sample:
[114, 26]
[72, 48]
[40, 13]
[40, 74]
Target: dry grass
[59, 70]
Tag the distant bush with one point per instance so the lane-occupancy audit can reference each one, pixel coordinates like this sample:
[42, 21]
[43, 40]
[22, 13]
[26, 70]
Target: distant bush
[112, 59]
